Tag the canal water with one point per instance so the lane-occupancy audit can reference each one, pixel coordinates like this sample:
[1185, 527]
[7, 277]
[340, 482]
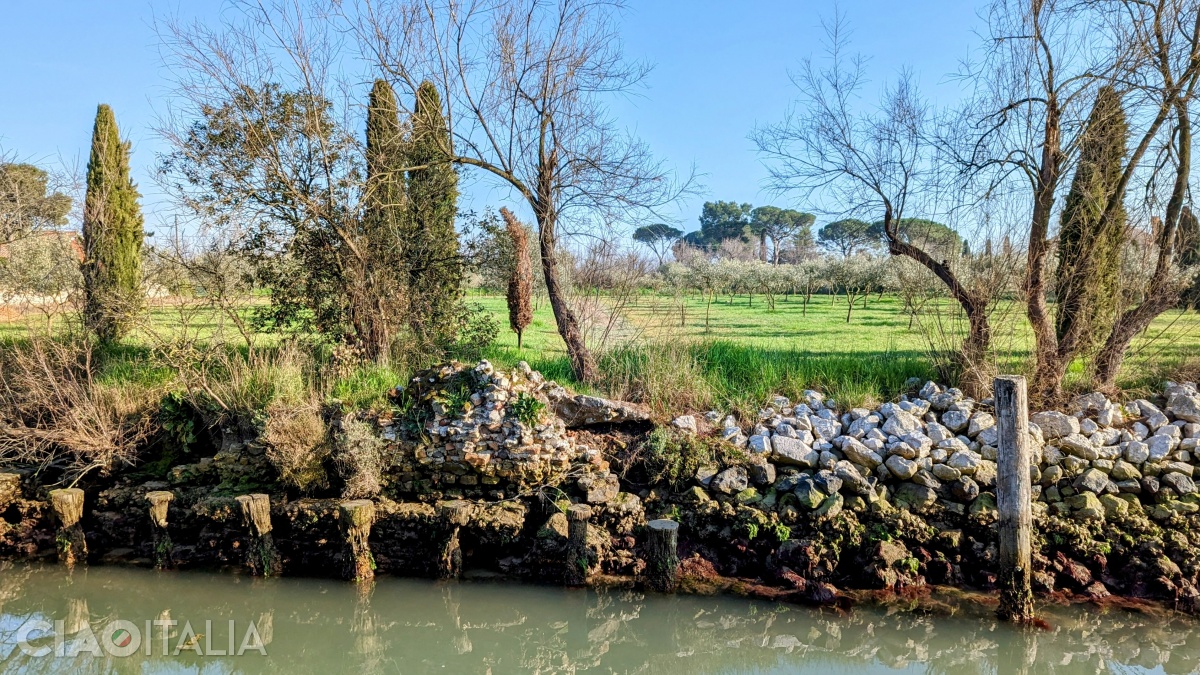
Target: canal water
[128, 620]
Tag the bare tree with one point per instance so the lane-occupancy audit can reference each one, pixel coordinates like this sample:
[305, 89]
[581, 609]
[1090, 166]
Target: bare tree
[869, 162]
[526, 84]
[1044, 62]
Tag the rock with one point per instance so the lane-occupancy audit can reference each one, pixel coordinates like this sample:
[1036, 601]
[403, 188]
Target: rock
[704, 474]
[858, 453]
[984, 507]
[1184, 406]
[964, 489]
[1092, 480]
[1179, 483]
[760, 444]
[946, 473]
[955, 420]
[1136, 452]
[685, 422]
[1079, 446]
[1086, 505]
[730, 481]
[762, 473]
[581, 410]
[965, 461]
[1159, 445]
[985, 473]
[793, 452]
[829, 508]
[914, 497]
[901, 424]
[1114, 506]
[1055, 424]
[900, 467]
[828, 482]
[852, 479]
[979, 422]
[1123, 470]
[827, 429]
[809, 495]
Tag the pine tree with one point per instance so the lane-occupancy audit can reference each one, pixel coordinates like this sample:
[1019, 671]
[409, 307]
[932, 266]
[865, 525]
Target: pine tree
[378, 298]
[433, 260]
[520, 283]
[112, 234]
[1089, 245]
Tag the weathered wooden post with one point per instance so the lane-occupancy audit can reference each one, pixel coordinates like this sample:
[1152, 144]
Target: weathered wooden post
[1013, 499]
[355, 519]
[578, 564]
[160, 502]
[454, 515]
[662, 556]
[68, 509]
[261, 556]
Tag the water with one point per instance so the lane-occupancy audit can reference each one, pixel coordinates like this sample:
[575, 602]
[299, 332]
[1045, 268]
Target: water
[416, 626]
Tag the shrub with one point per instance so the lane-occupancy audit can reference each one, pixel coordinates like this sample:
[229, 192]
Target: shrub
[527, 409]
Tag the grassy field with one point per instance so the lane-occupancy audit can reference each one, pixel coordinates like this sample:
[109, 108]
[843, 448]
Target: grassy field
[738, 353]
[687, 354]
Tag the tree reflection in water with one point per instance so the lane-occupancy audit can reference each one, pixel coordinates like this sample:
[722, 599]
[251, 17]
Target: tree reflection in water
[414, 626]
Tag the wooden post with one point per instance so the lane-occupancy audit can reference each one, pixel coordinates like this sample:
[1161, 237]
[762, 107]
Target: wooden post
[355, 518]
[454, 515]
[261, 556]
[160, 502]
[662, 557]
[68, 509]
[578, 564]
[1013, 499]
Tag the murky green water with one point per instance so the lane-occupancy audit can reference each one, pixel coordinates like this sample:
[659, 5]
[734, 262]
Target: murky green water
[55, 622]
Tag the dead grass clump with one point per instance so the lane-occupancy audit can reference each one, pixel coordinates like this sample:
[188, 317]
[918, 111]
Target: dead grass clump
[297, 445]
[358, 454]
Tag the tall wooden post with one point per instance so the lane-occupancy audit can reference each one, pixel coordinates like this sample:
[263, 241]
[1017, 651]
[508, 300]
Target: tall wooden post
[1013, 497]
[454, 515]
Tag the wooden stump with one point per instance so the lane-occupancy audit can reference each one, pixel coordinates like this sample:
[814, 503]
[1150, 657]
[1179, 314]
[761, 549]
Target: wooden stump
[662, 556]
[68, 509]
[454, 515]
[578, 563]
[261, 555]
[1013, 499]
[160, 502]
[355, 519]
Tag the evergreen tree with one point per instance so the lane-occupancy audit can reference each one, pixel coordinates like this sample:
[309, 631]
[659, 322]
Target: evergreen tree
[377, 314]
[1189, 255]
[112, 234]
[1089, 245]
[520, 282]
[433, 261]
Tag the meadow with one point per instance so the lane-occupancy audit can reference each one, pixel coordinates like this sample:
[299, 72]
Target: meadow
[694, 353]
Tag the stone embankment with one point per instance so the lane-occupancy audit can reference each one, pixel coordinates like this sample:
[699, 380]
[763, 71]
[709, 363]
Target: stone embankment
[505, 472]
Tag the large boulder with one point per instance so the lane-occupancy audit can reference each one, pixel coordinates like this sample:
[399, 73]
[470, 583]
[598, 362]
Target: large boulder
[1184, 406]
[793, 452]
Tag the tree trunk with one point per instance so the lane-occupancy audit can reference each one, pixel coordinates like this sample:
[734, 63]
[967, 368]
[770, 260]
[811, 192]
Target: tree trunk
[1046, 384]
[583, 364]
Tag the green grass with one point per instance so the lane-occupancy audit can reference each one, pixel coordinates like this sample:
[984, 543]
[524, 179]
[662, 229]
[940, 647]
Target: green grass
[727, 354]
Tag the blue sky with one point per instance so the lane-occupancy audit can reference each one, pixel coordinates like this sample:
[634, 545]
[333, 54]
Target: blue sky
[721, 66]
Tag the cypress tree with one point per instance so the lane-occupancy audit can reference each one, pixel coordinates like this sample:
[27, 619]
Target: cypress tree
[1189, 255]
[379, 307]
[112, 234]
[520, 283]
[1089, 245]
[434, 264]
